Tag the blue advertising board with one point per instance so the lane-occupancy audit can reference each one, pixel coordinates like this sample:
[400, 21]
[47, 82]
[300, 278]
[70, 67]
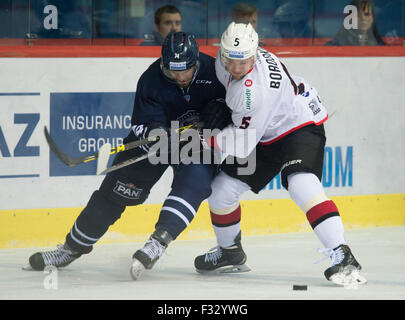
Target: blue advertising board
[80, 123]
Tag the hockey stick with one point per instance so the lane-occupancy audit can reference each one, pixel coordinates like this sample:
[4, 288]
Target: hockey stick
[104, 170]
[69, 161]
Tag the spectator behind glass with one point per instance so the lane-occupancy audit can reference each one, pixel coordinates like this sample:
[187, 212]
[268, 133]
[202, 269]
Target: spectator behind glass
[245, 13]
[366, 34]
[167, 19]
[292, 21]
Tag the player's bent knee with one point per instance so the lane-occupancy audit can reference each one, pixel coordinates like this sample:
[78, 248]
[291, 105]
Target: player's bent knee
[305, 189]
[223, 211]
[226, 191]
[221, 199]
[107, 210]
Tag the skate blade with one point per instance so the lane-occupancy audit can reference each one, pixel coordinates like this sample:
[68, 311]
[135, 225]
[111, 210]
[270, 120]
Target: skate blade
[28, 267]
[227, 269]
[348, 278]
[137, 269]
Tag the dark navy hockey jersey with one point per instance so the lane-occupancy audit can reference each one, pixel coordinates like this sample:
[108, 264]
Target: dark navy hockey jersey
[159, 100]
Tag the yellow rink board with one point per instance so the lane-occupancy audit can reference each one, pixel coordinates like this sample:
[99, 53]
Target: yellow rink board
[47, 227]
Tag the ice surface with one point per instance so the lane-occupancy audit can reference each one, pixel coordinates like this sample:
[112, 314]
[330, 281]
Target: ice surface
[277, 261]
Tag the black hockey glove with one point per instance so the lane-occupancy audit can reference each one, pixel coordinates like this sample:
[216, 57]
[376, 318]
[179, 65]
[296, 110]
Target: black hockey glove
[143, 131]
[216, 115]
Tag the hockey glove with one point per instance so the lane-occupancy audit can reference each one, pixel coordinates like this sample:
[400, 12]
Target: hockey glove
[143, 131]
[209, 143]
[216, 115]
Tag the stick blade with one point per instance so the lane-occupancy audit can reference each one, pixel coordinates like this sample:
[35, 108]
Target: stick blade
[103, 157]
[54, 148]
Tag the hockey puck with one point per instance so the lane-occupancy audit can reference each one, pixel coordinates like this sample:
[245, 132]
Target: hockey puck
[300, 287]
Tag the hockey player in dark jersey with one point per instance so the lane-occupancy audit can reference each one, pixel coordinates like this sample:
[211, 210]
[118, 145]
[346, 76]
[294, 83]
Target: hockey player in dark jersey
[180, 86]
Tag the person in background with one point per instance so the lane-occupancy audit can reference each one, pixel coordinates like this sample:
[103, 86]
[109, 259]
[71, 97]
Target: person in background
[366, 34]
[167, 18]
[245, 13]
[291, 22]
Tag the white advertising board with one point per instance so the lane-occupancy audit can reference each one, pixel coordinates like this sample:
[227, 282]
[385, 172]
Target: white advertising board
[365, 149]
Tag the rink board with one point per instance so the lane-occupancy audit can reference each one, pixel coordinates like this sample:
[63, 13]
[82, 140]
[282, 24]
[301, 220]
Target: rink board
[88, 101]
[47, 227]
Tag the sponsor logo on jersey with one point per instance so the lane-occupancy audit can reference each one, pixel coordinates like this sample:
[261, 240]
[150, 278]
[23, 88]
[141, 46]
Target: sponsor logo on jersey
[248, 98]
[248, 83]
[188, 118]
[127, 190]
[313, 105]
[305, 94]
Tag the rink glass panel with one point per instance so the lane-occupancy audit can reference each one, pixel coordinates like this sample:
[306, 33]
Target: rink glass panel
[126, 22]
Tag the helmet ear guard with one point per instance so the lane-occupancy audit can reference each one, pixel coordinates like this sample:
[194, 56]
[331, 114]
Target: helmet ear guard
[239, 41]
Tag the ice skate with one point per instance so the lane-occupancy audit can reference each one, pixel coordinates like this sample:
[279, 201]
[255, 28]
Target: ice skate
[223, 260]
[61, 257]
[145, 258]
[345, 270]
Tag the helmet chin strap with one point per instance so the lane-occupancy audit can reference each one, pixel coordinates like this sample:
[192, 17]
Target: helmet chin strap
[197, 68]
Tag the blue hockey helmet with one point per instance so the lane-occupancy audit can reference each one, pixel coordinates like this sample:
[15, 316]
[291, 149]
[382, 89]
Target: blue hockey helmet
[179, 51]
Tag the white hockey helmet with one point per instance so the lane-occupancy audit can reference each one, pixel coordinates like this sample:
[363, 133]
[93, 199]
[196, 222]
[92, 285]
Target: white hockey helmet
[239, 41]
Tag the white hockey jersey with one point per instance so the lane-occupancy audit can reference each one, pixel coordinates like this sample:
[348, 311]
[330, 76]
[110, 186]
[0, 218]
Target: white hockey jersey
[266, 105]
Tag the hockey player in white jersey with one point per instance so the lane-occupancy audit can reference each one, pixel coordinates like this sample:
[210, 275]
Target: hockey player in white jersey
[286, 117]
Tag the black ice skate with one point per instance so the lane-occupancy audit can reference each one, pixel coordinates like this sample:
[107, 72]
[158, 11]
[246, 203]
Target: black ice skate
[59, 258]
[145, 258]
[223, 260]
[345, 270]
